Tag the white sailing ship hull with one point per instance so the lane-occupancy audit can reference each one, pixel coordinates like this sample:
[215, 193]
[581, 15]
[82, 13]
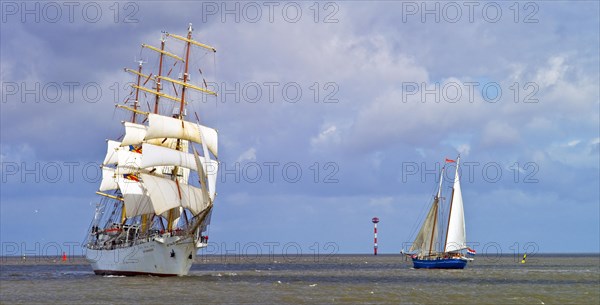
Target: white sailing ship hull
[171, 256]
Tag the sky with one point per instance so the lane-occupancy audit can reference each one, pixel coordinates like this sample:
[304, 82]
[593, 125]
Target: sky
[329, 114]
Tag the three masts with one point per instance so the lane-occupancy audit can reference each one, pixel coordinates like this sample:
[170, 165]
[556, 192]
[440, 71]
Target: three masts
[158, 181]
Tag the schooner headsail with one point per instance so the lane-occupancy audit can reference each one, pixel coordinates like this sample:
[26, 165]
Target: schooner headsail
[157, 189]
[456, 235]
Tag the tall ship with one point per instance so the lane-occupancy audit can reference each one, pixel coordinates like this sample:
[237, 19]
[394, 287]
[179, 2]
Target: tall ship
[436, 247]
[158, 179]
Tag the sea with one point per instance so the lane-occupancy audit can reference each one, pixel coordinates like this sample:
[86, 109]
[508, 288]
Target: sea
[309, 279]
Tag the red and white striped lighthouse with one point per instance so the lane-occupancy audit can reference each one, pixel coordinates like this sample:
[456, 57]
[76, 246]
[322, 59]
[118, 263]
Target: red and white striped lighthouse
[375, 220]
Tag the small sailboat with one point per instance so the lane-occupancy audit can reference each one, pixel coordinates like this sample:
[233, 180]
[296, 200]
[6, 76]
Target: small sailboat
[425, 250]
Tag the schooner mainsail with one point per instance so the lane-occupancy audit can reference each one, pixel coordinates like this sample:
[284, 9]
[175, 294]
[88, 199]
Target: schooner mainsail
[158, 182]
[424, 250]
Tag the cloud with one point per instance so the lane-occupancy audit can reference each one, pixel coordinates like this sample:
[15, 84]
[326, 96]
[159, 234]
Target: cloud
[248, 155]
[382, 204]
[576, 153]
[496, 133]
[19, 153]
[327, 136]
[464, 149]
[362, 140]
[417, 118]
[548, 76]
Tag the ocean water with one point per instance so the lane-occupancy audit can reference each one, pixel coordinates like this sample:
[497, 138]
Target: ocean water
[339, 279]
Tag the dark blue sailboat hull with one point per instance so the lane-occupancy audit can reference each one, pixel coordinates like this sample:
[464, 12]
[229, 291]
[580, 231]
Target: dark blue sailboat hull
[441, 263]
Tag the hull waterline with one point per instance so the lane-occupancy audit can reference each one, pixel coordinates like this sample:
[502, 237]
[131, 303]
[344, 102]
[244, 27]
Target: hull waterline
[442, 263]
[159, 258]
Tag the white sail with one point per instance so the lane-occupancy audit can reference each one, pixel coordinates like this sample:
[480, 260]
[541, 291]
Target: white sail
[128, 161]
[111, 152]
[427, 237]
[210, 167]
[134, 134]
[193, 199]
[166, 127]
[183, 173]
[153, 157]
[166, 142]
[177, 215]
[161, 156]
[136, 199]
[163, 193]
[166, 194]
[109, 181]
[456, 236]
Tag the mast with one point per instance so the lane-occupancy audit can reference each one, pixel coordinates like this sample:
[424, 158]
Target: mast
[123, 215]
[160, 65]
[157, 97]
[451, 203]
[133, 119]
[181, 116]
[436, 202]
[137, 92]
[434, 223]
[439, 193]
[182, 105]
[449, 214]
[185, 73]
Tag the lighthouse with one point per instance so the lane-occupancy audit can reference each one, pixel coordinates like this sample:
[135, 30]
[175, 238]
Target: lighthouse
[375, 220]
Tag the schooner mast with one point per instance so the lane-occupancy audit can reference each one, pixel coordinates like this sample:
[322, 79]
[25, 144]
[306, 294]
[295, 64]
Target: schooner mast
[436, 204]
